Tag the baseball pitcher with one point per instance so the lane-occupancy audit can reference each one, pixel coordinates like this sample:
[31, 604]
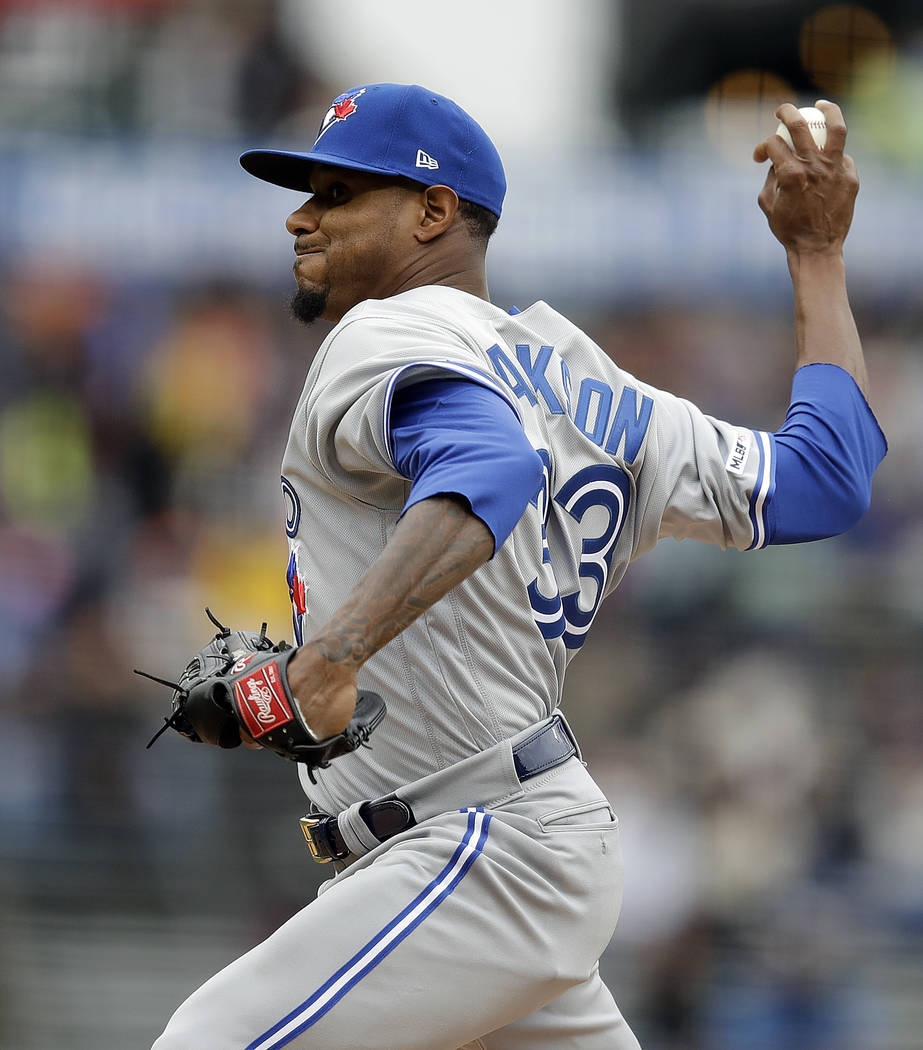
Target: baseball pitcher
[463, 485]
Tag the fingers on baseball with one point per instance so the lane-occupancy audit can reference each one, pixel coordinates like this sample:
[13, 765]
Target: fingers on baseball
[836, 127]
[777, 151]
[794, 120]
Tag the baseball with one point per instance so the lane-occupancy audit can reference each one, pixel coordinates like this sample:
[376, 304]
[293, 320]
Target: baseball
[816, 122]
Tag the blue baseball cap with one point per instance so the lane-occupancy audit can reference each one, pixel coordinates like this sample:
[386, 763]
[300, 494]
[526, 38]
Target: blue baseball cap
[395, 129]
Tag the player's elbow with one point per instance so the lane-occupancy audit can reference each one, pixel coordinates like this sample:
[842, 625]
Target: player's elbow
[848, 496]
[837, 510]
[855, 501]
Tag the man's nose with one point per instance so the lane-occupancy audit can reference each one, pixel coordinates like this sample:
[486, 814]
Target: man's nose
[304, 219]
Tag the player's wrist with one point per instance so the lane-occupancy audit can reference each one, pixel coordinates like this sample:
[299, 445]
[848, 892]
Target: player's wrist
[324, 690]
[817, 272]
[829, 255]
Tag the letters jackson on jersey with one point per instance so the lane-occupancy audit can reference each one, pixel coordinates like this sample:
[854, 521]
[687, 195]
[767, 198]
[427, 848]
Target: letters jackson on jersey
[624, 465]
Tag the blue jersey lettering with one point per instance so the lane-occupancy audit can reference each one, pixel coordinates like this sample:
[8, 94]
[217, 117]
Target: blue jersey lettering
[569, 617]
[292, 506]
[595, 396]
[630, 421]
[535, 372]
[594, 400]
[510, 374]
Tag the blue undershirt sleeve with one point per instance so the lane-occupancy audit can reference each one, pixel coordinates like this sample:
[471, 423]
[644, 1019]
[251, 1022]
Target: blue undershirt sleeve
[825, 454]
[453, 436]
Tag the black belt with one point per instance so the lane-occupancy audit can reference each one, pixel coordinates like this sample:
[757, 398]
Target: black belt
[385, 817]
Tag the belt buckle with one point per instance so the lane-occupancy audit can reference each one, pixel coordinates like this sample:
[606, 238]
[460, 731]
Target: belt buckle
[309, 824]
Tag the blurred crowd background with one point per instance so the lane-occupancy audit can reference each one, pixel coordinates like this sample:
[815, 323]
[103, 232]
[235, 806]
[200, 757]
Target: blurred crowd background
[755, 718]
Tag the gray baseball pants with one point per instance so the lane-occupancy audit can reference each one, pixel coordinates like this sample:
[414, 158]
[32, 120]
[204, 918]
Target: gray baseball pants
[480, 927]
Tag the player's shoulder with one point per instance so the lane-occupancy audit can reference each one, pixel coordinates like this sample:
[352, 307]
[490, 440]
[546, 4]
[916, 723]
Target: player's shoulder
[432, 323]
[441, 308]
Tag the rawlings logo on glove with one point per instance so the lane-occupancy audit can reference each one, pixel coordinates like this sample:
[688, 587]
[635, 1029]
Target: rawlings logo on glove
[239, 682]
[260, 699]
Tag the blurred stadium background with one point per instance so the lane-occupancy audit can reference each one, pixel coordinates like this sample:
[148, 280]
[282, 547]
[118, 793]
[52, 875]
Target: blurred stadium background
[755, 718]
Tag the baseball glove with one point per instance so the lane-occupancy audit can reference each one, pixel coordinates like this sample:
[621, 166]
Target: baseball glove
[239, 681]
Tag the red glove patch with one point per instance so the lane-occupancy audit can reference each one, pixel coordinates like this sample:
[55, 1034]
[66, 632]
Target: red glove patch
[260, 699]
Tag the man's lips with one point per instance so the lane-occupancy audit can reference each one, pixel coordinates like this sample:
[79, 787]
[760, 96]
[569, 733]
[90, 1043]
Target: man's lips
[301, 257]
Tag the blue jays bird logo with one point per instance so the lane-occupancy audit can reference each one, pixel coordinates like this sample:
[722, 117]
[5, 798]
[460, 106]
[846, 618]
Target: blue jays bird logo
[298, 592]
[342, 107]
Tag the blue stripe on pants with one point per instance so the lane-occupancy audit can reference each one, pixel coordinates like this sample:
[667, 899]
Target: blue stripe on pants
[384, 942]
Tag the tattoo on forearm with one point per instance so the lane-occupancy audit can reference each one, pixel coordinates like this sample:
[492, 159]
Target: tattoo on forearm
[436, 545]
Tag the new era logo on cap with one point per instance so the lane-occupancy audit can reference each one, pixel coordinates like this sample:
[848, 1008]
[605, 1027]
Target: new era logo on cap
[424, 160]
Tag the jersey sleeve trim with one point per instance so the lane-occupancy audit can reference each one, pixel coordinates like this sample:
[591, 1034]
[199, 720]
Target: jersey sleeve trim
[763, 489]
[465, 371]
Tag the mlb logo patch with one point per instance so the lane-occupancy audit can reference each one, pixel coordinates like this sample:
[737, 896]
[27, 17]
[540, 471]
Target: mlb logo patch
[740, 453]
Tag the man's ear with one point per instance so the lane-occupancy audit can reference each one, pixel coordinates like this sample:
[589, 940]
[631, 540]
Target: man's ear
[440, 203]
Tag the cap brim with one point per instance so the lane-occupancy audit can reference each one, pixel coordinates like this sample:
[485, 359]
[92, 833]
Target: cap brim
[293, 170]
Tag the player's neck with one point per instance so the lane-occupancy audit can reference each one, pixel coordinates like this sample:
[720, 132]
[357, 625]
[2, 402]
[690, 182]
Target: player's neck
[466, 278]
[472, 284]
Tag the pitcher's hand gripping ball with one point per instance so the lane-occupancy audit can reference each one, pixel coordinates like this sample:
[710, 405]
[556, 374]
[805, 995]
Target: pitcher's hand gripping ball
[238, 683]
[817, 125]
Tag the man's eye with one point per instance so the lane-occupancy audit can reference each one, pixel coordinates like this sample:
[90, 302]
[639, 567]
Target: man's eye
[337, 192]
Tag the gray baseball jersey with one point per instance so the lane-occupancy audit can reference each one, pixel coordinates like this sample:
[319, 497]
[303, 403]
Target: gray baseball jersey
[625, 464]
